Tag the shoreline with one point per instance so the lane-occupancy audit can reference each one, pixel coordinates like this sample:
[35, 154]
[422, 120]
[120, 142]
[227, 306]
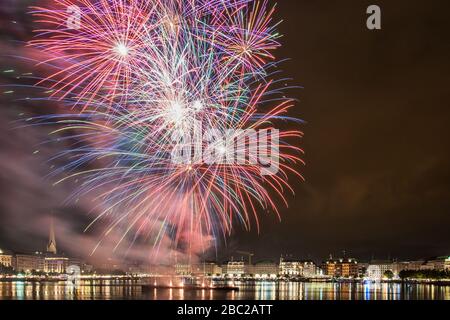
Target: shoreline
[138, 279]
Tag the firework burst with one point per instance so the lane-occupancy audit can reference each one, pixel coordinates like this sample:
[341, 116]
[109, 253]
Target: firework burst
[138, 74]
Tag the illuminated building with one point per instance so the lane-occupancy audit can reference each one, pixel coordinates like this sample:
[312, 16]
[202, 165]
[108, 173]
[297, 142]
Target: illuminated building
[427, 266]
[54, 264]
[290, 268]
[84, 267]
[234, 268]
[347, 267]
[399, 266]
[309, 269]
[377, 269]
[28, 262]
[416, 265]
[344, 267]
[362, 268]
[206, 268]
[6, 259]
[329, 267]
[374, 272]
[297, 268]
[412, 265]
[264, 269]
[183, 269]
[439, 263]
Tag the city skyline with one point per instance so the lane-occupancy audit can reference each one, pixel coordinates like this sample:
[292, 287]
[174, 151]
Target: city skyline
[237, 256]
[35, 263]
[226, 253]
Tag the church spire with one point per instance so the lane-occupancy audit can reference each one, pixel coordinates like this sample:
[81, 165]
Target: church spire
[51, 246]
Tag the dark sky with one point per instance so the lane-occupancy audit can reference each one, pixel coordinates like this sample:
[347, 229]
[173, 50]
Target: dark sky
[376, 139]
[376, 105]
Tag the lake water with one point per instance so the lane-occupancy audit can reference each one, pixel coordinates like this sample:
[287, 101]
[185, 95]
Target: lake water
[129, 289]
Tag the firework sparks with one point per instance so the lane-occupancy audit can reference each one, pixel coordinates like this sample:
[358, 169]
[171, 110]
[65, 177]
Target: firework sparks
[139, 72]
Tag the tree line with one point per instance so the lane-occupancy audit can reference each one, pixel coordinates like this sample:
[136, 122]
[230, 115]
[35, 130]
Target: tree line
[425, 274]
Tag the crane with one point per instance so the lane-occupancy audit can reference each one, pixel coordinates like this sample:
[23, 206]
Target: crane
[249, 254]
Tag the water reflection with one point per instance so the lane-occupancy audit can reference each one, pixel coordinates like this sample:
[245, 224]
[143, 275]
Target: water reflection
[132, 289]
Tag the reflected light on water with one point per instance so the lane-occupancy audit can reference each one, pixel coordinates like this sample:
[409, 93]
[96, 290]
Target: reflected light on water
[132, 289]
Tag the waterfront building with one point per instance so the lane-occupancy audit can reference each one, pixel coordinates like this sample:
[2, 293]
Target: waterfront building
[416, 265]
[84, 267]
[234, 268]
[55, 264]
[206, 268]
[347, 268]
[40, 263]
[374, 273]
[309, 269]
[344, 267]
[264, 269]
[28, 262]
[329, 267]
[290, 268]
[297, 268]
[399, 266]
[439, 263]
[377, 269]
[183, 269]
[427, 266]
[6, 258]
[362, 268]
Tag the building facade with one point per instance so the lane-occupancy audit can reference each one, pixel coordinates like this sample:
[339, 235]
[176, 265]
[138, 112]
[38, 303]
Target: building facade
[234, 268]
[348, 268]
[400, 266]
[207, 269]
[439, 263]
[290, 268]
[264, 269]
[28, 262]
[6, 259]
[329, 267]
[55, 264]
[297, 268]
[377, 269]
[341, 268]
[309, 269]
[183, 269]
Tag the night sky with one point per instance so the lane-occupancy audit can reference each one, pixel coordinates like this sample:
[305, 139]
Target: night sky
[376, 107]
